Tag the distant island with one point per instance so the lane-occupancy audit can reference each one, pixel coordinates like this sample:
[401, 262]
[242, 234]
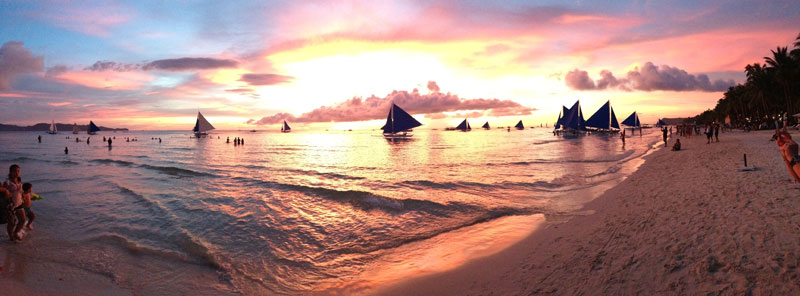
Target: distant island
[62, 127]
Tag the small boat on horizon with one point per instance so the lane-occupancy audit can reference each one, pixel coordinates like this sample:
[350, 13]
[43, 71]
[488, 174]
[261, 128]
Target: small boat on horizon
[519, 125]
[464, 126]
[285, 128]
[93, 129]
[201, 126]
[53, 130]
[486, 125]
[399, 123]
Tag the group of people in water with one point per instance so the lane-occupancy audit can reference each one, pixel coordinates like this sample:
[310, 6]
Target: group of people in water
[236, 141]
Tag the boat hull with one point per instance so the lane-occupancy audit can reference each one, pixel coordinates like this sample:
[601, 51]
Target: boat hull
[398, 135]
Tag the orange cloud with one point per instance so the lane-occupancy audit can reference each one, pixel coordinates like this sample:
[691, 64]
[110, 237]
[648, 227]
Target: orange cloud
[59, 104]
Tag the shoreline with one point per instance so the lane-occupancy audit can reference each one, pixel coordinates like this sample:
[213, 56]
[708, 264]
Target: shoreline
[685, 222]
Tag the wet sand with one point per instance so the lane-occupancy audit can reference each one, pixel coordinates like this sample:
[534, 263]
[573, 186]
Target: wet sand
[686, 222]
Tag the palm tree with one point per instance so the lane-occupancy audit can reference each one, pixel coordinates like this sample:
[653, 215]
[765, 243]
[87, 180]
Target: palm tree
[781, 65]
[759, 85]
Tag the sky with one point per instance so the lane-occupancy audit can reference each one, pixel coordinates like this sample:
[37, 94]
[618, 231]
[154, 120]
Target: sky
[341, 64]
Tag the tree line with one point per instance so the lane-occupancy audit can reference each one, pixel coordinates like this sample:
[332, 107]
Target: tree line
[771, 92]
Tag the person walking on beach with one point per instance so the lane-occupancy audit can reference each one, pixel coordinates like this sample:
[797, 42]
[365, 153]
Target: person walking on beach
[716, 132]
[664, 133]
[709, 133]
[622, 136]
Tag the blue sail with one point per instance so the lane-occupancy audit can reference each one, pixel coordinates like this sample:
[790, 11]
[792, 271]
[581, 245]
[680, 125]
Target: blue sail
[93, 128]
[574, 118]
[486, 125]
[560, 121]
[614, 123]
[604, 118]
[519, 125]
[464, 126]
[661, 123]
[196, 126]
[632, 120]
[399, 120]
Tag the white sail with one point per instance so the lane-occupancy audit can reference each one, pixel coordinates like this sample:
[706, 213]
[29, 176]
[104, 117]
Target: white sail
[75, 128]
[202, 125]
[53, 129]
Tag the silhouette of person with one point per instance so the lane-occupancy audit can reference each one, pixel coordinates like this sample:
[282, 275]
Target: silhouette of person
[40, 138]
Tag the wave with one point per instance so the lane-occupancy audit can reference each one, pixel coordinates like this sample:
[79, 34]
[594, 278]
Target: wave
[112, 161]
[169, 170]
[304, 172]
[537, 185]
[367, 200]
[484, 217]
[175, 171]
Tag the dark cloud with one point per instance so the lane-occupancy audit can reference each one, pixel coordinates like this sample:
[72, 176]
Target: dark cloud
[179, 64]
[16, 60]
[100, 66]
[265, 79]
[182, 64]
[373, 107]
[648, 78]
[55, 70]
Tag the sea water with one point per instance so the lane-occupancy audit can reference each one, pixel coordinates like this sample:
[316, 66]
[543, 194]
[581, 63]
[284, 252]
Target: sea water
[299, 212]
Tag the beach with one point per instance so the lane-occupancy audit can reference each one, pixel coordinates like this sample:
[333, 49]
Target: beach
[659, 222]
[686, 223]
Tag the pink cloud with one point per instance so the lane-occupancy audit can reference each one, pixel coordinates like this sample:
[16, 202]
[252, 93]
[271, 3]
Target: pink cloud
[59, 104]
[373, 107]
[107, 80]
[648, 77]
[95, 21]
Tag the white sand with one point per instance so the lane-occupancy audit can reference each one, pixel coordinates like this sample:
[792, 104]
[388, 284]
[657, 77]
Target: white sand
[686, 222]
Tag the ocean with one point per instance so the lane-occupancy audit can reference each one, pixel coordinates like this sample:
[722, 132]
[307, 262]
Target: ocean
[300, 212]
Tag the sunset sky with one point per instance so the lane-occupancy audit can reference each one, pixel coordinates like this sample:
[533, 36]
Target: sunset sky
[340, 64]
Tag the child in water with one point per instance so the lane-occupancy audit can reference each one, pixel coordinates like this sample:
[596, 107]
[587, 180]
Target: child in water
[26, 204]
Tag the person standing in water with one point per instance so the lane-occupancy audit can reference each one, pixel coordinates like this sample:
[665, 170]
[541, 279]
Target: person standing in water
[14, 187]
[40, 138]
[109, 142]
[66, 150]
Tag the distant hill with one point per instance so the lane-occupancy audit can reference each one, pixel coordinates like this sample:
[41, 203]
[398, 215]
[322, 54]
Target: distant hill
[62, 128]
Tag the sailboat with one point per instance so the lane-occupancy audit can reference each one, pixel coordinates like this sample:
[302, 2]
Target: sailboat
[75, 129]
[486, 125]
[463, 126]
[53, 130]
[519, 125]
[285, 128]
[93, 129]
[604, 120]
[661, 123]
[399, 123]
[632, 120]
[201, 126]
